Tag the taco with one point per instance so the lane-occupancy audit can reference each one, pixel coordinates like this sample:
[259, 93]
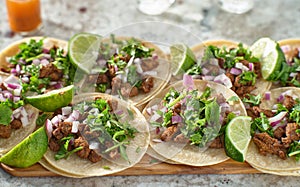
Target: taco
[187, 121]
[99, 135]
[17, 120]
[230, 64]
[289, 74]
[274, 129]
[129, 68]
[41, 64]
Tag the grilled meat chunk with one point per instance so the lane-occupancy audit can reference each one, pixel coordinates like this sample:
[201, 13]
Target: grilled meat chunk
[291, 134]
[5, 131]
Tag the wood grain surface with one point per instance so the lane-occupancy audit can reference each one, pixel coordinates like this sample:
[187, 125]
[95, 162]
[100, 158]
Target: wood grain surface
[148, 166]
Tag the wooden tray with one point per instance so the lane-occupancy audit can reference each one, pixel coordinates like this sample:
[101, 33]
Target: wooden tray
[148, 166]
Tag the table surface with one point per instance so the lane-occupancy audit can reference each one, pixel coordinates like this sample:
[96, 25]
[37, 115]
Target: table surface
[186, 21]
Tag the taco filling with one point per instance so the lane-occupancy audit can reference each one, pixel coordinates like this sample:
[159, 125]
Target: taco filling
[276, 130]
[191, 117]
[290, 72]
[126, 68]
[92, 130]
[235, 68]
[13, 113]
[40, 69]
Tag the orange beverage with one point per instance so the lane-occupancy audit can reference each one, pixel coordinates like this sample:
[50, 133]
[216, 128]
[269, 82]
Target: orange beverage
[24, 15]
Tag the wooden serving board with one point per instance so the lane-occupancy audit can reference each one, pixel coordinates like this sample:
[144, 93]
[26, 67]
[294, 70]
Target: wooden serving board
[148, 166]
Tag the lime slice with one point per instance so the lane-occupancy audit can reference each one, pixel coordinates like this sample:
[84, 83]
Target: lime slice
[182, 58]
[270, 55]
[53, 100]
[237, 137]
[29, 151]
[83, 50]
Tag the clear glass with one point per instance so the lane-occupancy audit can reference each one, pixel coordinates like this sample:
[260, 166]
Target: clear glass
[236, 6]
[154, 7]
[24, 15]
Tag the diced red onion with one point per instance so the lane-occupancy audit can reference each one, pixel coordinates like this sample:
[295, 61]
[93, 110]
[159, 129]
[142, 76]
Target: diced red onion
[137, 61]
[154, 56]
[69, 119]
[44, 62]
[155, 117]
[47, 56]
[21, 61]
[75, 114]
[188, 81]
[280, 124]
[49, 128]
[55, 120]
[277, 119]
[94, 145]
[196, 76]
[12, 80]
[66, 110]
[16, 99]
[116, 68]
[75, 126]
[267, 96]
[293, 74]
[225, 107]
[222, 78]
[36, 62]
[2, 98]
[205, 71]
[52, 83]
[214, 62]
[251, 66]
[18, 68]
[139, 68]
[235, 71]
[17, 92]
[154, 107]
[130, 62]
[17, 113]
[149, 110]
[12, 86]
[241, 66]
[208, 78]
[7, 94]
[119, 112]
[280, 98]
[14, 71]
[157, 140]
[58, 85]
[176, 119]
[285, 48]
[25, 79]
[45, 50]
[24, 120]
[237, 112]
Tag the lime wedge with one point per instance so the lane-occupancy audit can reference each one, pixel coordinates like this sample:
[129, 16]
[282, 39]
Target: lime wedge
[53, 100]
[29, 151]
[237, 137]
[182, 58]
[270, 55]
[83, 50]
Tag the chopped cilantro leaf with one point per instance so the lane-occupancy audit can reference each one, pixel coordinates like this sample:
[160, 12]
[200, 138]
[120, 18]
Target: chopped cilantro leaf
[246, 77]
[6, 114]
[252, 99]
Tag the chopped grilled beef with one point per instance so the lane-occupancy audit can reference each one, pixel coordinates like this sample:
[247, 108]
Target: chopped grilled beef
[169, 133]
[217, 143]
[113, 104]
[111, 70]
[180, 138]
[5, 131]
[65, 127]
[149, 64]
[279, 133]
[147, 84]
[266, 144]
[115, 85]
[128, 91]
[94, 156]
[51, 71]
[16, 124]
[220, 98]
[291, 135]
[255, 111]
[85, 151]
[54, 144]
[57, 133]
[2, 87]
[288, 102]
[177, 108]
[230, 76]
[134, 91]
[102, 78]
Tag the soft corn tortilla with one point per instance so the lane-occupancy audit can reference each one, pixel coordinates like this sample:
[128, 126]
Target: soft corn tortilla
[262, 85]
[18, 135]
[78, 167]
[273, 162]
[189, 154]
[160, 80]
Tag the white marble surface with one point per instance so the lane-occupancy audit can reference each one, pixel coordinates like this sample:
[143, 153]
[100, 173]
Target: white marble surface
[186, 21]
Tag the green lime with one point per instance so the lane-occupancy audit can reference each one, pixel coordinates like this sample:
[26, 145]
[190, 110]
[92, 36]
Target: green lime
[29, 151]
[237, 137]
[53, 100]
[83, 50]
[270, 55]
[182, 58]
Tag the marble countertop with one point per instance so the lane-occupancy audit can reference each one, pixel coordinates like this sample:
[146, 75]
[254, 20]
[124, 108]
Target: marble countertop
[186, 21]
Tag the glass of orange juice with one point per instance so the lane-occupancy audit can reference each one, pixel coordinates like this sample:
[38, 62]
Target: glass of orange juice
[24, 15]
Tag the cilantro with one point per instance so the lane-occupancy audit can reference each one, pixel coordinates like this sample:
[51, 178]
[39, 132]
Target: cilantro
[252, 99]
[171, 95]
[6, 114]
[136, 49]
[281, 107]
[295, 114]
[42, 118]
[167, 118]
[102, 87]
[64, 151]
[106, 167]
[294, 150]
[132, 76]
[261, 124]
[206, 93]
[233, 99]
[246, 77]
[194, 70]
